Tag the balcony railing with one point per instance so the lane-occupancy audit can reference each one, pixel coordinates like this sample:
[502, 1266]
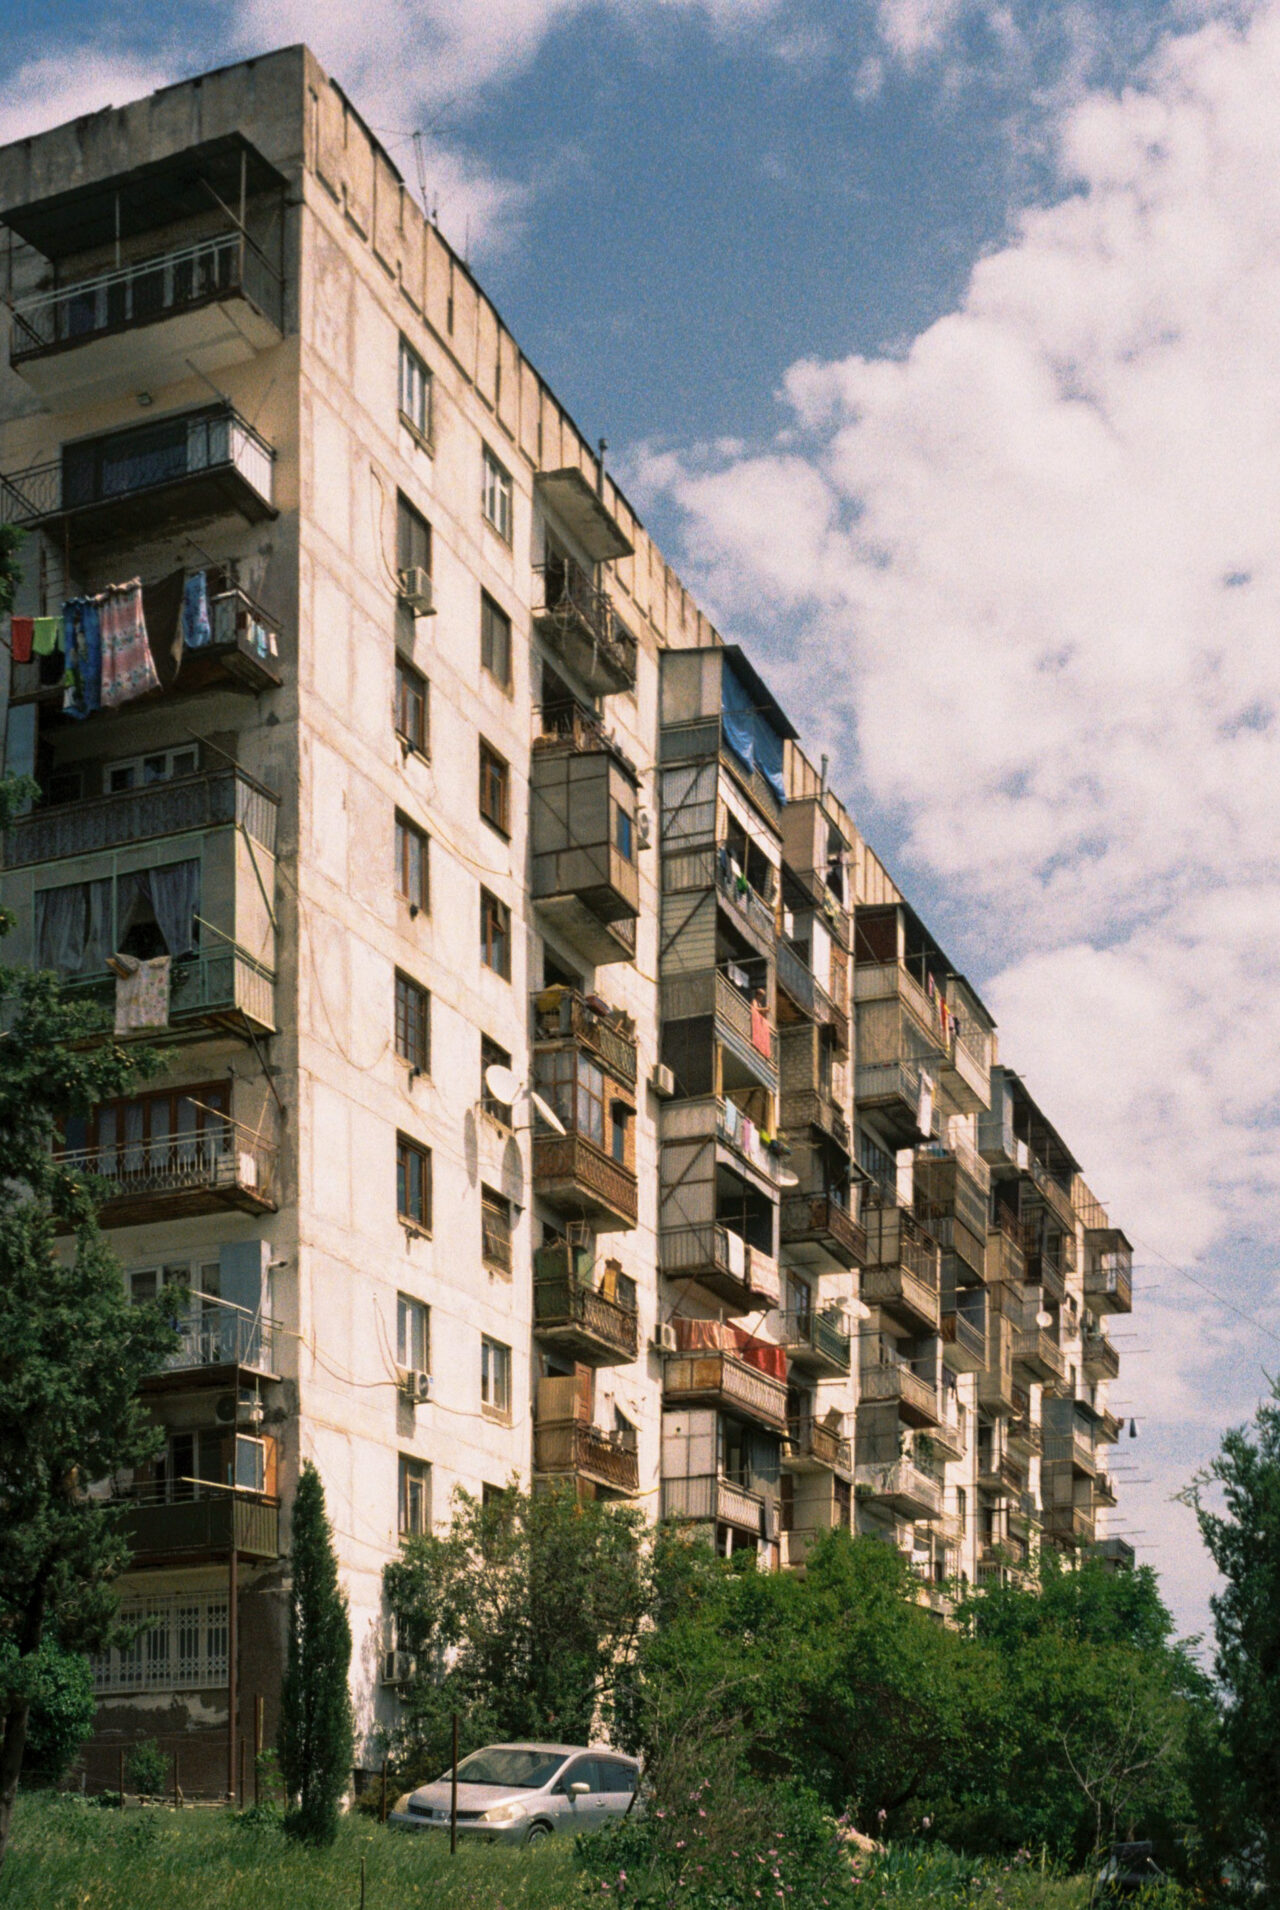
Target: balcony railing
[901, 1485]
[1039, 1354]
[1074, 1447]
[573, 1313]
[207, 801]
[149, 289]
[806, 991]
[893, 1086]
[819, 1340]
[889, 981]
[903, 1292]
[720, 1379]
[1098, 1357]
[1069, 1524]
[997, 1473]
[222, 984]
[710, 992]
[207, 1526]
[888, 1382]
[573, 1448]
[1006, 1259]
[1053, 1195]
[741, 1275]
[571, 1017]
[215, 1333]
[580, 621]
[812, 1445]
[819, 1220]
[743, 899]
[966, 1341]
[578, 1178]
[708, 1499]
[808, 1107]
[1108, 1271]
[214, 452]
[227, 1165]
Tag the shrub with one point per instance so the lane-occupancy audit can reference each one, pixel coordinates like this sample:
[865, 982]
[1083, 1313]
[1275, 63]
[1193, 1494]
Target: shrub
[146, 1768]
[59, 1685]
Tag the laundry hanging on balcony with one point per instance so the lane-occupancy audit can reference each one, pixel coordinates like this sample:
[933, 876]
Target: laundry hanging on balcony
[47, 636]
[22, 632]
[142, 992]
[127, 667]
[82, 645]
[761, 1039]
[197, 630]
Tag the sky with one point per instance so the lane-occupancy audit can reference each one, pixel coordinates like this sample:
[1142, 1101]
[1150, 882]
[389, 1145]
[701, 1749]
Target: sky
[938, 343]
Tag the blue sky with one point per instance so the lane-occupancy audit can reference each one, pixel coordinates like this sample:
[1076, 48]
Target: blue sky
[937, 343]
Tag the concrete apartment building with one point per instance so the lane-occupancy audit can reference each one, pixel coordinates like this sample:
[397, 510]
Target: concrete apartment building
[558, 1086]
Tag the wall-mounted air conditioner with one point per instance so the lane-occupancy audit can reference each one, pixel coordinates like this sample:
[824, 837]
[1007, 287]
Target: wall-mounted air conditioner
[415, 1386]
[414, 590]
[662, 1081]
[664, 1337]
[397, 1667]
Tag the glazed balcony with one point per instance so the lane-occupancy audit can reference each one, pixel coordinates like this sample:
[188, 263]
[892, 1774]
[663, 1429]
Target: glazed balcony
[571, 1449]
[891, 1382]
[577, 620]
[176, 1175]
[213, 799]
[710, 1499]
[1099, 1359]
[1108, 1271]
[742, 1277]
[583, 835]
[205, 1526]
[900, 1275]
[571, 1312]
[811, 1445]
[148, 479]
[564, 1018]
[817, 1342]
[1039, 1356]
[900, 1486]
[964, 1340]
[136, 326]
[707, 1377]
[818, 1229]
[952, 1188]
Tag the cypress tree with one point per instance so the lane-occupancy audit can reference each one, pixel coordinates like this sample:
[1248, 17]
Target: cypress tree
[316, 1725]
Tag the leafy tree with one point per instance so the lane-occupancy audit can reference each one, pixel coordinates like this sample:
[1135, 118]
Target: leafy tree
[316, 1726]
[63, 1707]
[1241, 1528]
[72, 1349]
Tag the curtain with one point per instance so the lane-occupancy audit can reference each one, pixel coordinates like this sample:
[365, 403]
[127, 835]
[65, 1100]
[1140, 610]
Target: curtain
[60, 927]
[98, 934]
[175, 898]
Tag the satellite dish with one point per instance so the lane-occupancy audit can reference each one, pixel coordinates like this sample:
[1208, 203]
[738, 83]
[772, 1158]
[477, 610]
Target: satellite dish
[785, 1178]
[546, 1113]
[1044, 1319]
[501, 1083]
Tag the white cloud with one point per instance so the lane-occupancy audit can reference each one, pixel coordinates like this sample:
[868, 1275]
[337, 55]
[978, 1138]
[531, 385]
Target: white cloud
[51, 89]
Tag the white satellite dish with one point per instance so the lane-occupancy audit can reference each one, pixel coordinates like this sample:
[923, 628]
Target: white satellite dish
[785, 1178]
[501, 1083]
[1044, 1319]
[546, 1113]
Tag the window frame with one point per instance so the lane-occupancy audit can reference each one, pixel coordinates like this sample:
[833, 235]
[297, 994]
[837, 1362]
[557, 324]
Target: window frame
[407, 1151]
[407, 832]
[495, 789]
[412, 686]
[413, 1479]
[495, 1378]
[411, 1313]
[412, 525]
[497, 1230]
[497, 495]
[419, 1057]
[494, 1055]
[491, 612]
[414, 370]
[494, 909]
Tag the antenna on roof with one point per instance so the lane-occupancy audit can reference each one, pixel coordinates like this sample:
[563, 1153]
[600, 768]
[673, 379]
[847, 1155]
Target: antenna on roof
[422, 170]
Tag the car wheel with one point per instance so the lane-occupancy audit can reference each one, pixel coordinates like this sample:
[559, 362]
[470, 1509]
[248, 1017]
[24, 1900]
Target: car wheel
[537, 1832]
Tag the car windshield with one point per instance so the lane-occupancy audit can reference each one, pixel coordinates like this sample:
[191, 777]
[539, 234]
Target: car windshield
[519, 1770]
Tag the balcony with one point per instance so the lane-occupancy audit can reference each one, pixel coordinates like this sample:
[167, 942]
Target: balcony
[746, 908]
[1107, 1429]
[966, 1072]
[1047, 1191]
[1104, 1491]
[946, 1439]
[964, 1341]
[808, 997]
[186, 1532]
[605, 1461]
[167, 1178]
[1099, 1359]
[217, 798]
[817, 1230]
[1023, 1431]
[744, 1278]
[893, 982]
[743, 1028]
[1108, 1271]
[578, 622]
[890, 1382]
[563, 1017]
[712, 1500]
[573, 1314]
[952, 1187]
[1069, 1525]
[135, 328]
[709, 1119]
[812, 1445]
[1073, 1446]
[900, 1276]
[817, 1342]
[1006, 1257]
[1116, 1554]
[900, 1486]
[815, 1110]
[582, 825]
[996, 1390]
[1001, 1475]
[711, 1378]
[221, 987]
[578, 1179]
[1039, 1356]
[897, 1093]
[149, 479]
[215, 1339]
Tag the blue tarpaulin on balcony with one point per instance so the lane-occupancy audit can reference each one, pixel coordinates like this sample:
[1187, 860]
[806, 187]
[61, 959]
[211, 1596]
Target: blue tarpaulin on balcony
[748, 731]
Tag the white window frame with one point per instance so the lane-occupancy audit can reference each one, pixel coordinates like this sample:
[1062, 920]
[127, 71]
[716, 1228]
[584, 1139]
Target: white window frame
[418, 1472]
[413, 1334]
[135, 763]
[497, 498]
[495, 1378]
[416, 391]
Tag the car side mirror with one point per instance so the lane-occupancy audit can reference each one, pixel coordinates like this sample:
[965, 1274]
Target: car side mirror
[579, 1790]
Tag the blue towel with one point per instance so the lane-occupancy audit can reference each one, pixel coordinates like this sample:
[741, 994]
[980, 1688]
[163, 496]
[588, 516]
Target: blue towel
[196, 628]
[82, 645]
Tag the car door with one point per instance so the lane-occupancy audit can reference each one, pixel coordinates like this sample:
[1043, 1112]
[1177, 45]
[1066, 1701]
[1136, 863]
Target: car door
[582, 1813]
[617, 1780]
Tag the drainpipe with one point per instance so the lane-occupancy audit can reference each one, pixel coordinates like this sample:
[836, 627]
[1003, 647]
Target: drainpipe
[233, 1655]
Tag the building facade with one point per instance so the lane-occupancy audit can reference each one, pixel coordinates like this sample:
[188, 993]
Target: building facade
[558, 1087]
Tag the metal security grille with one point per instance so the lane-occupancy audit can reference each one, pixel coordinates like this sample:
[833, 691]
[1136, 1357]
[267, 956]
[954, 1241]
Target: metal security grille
[182, 1647]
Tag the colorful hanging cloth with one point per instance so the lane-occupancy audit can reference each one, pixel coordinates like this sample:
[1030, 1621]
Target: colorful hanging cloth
[21, 635]
[196, 628]
[127, 667]
[48, 636]
[82, 644]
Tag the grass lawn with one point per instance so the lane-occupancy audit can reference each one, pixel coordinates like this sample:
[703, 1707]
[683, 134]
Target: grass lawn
[66, 1855]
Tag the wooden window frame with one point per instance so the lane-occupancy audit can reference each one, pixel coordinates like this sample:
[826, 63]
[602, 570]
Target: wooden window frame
[411, 525]
[407, 832]
[408, 1150]
[497, 1229]
[495, 1363]
[491, 612]
[409, 1308]
[495, 789]
[497, 496]
[409, 995]
[413, 707]
[413, 1474]
[415, 372]
[493, 910]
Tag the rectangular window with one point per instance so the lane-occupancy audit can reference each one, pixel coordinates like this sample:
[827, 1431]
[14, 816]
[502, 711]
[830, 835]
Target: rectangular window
[415, 391]
[495, 935]
[413, 868]
[413, 709]
[495, 496]
[495, 789]
[413, 537]
[160, 766]
[413, 1183]
[623, 833]
[495, 1230]
[415, 1498]
[495, 1378]
[495, 641]
[492, 1056]
[182, 1646]
[413, 1334]
[413, 1024]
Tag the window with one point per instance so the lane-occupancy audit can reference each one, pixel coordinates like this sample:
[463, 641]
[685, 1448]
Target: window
[495, 641]
[415, 1497]
[495, 1378]
[413, 724]
[413, 537]
[495, 789]
[160, 766]
[495, 495]
[962, 1508]
[495, 1230]
[575, 1087]
[181, 1645]
[623, 833]
[413, 1334]
[412, 864]
[413, 1183]
[495, 935]
[413, 1024]
[175, 1138]
[415, 392]
[492, 1056]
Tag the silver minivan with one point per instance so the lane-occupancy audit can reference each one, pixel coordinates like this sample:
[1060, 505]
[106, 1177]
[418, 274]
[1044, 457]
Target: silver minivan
[518, 1793]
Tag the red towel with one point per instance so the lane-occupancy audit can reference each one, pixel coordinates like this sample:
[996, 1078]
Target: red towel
[22, 630]
[760, 1035]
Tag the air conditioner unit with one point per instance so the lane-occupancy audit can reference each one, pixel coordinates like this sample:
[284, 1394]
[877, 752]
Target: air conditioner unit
[415, 1386]
[644, 828]
[662, 1080]
[664, 1337]
[397, 1667]
[415, 591]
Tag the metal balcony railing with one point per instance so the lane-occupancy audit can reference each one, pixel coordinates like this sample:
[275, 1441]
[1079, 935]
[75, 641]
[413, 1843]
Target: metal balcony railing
[710, 1499]
[1099, 1358]
[889, 1381]
[811, 1441]
[144, 291]
[571, 1017]
[572, 608]
[225, 1158]
[221, 980]
[825, 1335]
[215, 1333]
[564, 1306]
[806, 1217]
[609, 1459]
[902, 1481]
[205, 801]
